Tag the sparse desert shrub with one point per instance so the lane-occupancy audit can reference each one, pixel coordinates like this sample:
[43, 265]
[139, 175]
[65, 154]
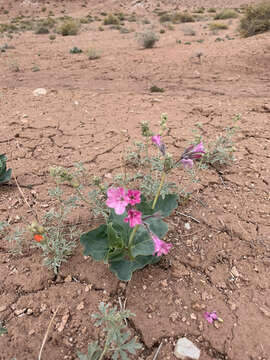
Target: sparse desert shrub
[124, 30]
[41, 29]
[212, 10]
[52, 37]
[111, 20]
[156, 89]
[217, 26]
[93, 54]
[148, 39]
[69, 27]
[182, 18]
[226, 14]
[165, 18]
[256, 20]
[199, 10]
[162, 31]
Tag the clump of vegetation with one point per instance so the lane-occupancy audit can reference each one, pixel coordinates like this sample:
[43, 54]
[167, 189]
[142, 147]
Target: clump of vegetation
[212, 10]
[93, 54]
[226, 14]
[182, 18]
[111, 20]
[75, 50]
[69, 27]
[52, 37]
[41, 29]
[155, 89]
[217, 26]
[162, 31]
[256, 20]
[148, 39]
[199, 10]
[118, 341]
[176, 18]
[4, 173]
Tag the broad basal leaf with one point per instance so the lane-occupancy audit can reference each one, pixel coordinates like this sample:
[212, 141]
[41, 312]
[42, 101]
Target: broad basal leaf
[95, 243]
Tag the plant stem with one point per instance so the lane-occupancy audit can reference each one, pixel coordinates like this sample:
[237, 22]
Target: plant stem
[159, 189]
[82, 197]
[104, 350]
[132, 235]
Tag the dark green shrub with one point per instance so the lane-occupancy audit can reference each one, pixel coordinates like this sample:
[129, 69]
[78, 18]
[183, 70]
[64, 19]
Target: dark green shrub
[155, 89]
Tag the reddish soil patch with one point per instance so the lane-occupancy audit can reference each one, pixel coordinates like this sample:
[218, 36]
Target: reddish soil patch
[221, 263]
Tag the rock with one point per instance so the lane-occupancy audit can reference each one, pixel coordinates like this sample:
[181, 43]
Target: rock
[39, 91]
[3, 308]
[185, 349]
[187, 226]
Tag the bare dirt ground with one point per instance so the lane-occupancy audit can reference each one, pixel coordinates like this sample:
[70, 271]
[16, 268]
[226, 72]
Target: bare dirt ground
[221, 263]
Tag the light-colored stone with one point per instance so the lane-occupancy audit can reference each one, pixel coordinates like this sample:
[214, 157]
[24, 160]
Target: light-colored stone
[39, 91]
[185, 349]
[187, 226]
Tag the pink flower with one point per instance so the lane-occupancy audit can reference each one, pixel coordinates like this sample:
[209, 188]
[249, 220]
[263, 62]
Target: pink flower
[192, 153]
[117, 199]
[210, 317]
[134, 218]
[161, 247]
[134, 197]
[157, 140]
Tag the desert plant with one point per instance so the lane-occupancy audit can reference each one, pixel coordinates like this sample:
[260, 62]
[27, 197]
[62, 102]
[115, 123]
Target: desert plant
[212, 10]
[111, 20]
[217, 26]
[118, 341]
[131, 237]
[75, 50]
[5, 174]
[69, 27]
[93, 54]
[226, 14]
[256, 20]
[41, 29]
[155, 88]
[3, 330]
[182, 18]
[148, 39]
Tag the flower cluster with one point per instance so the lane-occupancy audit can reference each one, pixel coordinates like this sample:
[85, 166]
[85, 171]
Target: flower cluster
[120, 199]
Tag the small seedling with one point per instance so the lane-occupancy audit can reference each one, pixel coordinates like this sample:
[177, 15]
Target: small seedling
[5, 174]
[3, 330]
[118, 342]
[75, 50]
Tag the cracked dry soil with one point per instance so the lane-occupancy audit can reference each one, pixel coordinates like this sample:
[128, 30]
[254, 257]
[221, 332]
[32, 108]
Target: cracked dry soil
[222, 263]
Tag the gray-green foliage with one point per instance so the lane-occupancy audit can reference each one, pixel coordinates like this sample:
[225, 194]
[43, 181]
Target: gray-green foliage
[119, 342]
[4, 173]
[221, 151]
[3, 330]
[59, 238]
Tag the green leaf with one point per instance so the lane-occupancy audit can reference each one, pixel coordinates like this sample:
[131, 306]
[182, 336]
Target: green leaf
[143, 244]
[167, 205]
[95, 243]
[157, 226]
[94, 352]
[114, 240]
[145, 207]
[4, 173]
[122, 268]
[120, 225]
[3, 330]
